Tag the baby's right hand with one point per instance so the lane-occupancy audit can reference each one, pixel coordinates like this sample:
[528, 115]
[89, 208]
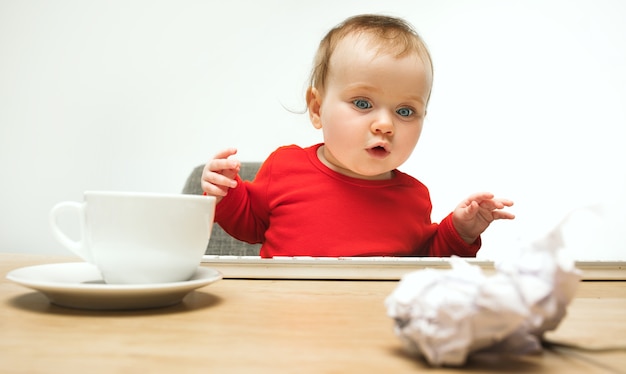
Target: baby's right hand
[219, 174]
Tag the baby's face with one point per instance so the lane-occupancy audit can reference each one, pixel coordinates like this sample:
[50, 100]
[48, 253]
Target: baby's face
[371, 110]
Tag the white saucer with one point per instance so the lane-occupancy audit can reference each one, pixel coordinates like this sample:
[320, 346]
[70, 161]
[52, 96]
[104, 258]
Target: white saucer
[80, 285]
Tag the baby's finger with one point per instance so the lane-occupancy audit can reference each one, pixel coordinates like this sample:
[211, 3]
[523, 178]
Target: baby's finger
[501, 214]
[505, 202]
[480, 196]
[494, 204]
[225, 153]
[219, 165]
[213, 190]
[219, 180]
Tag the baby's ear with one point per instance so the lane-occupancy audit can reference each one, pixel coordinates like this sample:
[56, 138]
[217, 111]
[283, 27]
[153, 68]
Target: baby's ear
[314, 104]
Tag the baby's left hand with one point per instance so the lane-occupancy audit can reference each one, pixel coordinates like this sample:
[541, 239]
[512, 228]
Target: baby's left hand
[475, 214]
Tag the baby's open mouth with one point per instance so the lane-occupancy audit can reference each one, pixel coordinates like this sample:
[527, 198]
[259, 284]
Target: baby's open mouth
[378, 152]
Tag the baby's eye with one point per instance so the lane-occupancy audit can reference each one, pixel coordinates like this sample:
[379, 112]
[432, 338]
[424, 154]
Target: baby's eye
[362, 104]
[405, 112]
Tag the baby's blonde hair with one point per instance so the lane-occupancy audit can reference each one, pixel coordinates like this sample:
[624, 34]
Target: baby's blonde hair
[388, 34]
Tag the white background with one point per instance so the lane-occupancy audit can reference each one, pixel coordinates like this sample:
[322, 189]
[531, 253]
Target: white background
[529, 102]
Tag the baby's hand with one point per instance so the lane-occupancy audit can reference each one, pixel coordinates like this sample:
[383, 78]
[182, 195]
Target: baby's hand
[219, 174]
[475, 214]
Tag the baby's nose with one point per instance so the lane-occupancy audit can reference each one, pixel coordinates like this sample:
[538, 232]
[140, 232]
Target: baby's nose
[383, 123]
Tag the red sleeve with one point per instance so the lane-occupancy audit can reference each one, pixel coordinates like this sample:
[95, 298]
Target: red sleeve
[447, 242]
[243, 213]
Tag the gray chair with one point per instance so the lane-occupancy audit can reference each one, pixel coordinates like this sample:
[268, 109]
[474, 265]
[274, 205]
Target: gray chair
[221, 243]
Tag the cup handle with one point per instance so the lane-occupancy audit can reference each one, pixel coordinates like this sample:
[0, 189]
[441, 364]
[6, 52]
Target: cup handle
[76, 246]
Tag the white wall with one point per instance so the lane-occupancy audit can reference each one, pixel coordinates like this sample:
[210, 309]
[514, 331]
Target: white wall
[529, 101]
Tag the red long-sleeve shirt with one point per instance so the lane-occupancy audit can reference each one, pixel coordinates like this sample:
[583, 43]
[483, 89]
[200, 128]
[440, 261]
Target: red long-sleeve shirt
[296, 206]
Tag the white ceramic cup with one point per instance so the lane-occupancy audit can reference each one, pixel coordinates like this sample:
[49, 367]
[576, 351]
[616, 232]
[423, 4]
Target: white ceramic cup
[137, 238]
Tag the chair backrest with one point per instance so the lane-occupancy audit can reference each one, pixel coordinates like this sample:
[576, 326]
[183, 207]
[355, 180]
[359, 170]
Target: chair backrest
[221, 243]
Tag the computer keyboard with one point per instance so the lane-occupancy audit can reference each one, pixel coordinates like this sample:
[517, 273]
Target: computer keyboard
[369, 268]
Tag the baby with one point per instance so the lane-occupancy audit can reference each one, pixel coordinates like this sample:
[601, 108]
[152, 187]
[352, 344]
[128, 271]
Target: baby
[368, 93]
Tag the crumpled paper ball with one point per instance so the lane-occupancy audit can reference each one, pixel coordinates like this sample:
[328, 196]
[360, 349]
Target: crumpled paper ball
[446, 315]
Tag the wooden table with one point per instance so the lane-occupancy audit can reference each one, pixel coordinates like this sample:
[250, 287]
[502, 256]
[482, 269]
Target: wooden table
[274, 326]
